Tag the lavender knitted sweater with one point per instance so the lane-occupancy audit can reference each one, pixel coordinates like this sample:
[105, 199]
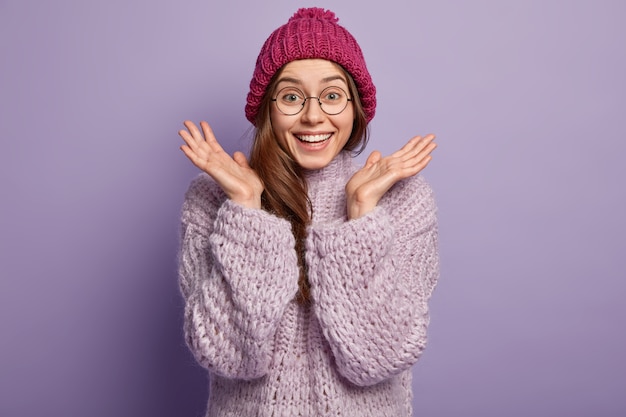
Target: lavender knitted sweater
[348, 353]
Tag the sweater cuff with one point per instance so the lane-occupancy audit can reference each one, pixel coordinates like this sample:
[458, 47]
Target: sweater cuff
[254, 251]
[372, 231]
[355, 246]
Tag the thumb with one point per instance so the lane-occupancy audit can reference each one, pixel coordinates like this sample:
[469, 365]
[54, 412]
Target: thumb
[241, 159]
[373, 158]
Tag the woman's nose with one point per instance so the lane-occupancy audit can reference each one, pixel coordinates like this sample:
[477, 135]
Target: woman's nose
[312, 111]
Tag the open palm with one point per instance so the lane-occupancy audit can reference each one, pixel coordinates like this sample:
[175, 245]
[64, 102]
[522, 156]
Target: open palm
[240, 182]
[378, 175]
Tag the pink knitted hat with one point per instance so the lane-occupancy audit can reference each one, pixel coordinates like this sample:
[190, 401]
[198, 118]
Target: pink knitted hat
[310, 33]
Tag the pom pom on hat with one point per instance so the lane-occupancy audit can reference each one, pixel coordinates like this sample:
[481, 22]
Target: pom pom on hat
[314, 12]
[310, 33]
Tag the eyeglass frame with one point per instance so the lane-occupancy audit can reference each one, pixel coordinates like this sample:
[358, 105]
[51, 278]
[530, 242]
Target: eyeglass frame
[318, 98]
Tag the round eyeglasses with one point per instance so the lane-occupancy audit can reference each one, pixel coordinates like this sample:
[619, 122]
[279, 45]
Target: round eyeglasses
[332, 100]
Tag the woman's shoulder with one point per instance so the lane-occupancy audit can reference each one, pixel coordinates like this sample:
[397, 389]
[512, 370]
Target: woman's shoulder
[203, 196]
[204, 187]
[411, 199]
[410, 190]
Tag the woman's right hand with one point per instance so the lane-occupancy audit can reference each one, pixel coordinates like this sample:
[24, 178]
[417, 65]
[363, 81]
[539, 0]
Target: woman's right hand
[240, 182]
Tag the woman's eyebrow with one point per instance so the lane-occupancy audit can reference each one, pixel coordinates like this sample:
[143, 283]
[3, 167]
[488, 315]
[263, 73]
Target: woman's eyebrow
[333, 78]
[289, 80]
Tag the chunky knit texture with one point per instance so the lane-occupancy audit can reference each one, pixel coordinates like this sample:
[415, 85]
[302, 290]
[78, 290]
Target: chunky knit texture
[349, 352]
[310, 33]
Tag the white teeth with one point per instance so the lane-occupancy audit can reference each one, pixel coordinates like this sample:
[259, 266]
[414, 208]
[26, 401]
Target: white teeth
[314, 138]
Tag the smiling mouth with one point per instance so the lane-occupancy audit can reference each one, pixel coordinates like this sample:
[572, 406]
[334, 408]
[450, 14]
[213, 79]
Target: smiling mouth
[314, 138]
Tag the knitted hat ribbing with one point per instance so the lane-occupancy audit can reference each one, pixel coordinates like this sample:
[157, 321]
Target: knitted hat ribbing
[310, 33]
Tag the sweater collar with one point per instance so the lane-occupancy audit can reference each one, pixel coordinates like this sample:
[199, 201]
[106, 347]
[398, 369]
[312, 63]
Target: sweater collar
[337, 168]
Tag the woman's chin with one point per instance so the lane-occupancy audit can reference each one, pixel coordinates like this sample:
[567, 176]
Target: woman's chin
[314, 162]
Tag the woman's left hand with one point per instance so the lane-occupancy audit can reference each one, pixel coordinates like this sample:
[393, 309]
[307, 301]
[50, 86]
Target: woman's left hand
[370, 183]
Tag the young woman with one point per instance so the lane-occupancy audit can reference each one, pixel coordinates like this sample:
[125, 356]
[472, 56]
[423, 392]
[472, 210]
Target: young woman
[306, 279]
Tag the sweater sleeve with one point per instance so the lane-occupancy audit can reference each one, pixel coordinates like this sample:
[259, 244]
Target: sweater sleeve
[371, 279]
[237, 272]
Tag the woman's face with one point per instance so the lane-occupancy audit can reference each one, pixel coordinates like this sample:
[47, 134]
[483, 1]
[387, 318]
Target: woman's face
[312, 136]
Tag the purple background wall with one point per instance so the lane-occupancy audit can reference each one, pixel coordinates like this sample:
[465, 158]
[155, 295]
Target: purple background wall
[528, 101]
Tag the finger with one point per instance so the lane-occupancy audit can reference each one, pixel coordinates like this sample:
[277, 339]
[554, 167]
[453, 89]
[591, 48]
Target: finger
[194, 131]
[416, 157]
[419, 142]
[192, 156]
[198, 146]
[424, 163]
[414, 147]
[188, 139]
[421, 160]
[427, 140]
[413, 160]
[427, 150]
[408, 147]
[210, 138]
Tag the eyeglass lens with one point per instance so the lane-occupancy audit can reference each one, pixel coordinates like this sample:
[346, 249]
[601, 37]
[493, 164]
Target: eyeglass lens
[290, 100]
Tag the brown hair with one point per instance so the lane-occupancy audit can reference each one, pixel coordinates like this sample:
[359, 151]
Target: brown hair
[285, 191]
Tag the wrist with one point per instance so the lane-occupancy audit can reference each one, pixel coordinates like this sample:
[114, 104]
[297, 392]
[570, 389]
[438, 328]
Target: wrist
[356, 210]
[253, 202]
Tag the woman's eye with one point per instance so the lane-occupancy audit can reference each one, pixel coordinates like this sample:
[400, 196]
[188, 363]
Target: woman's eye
[333, 96]
[290, 98]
